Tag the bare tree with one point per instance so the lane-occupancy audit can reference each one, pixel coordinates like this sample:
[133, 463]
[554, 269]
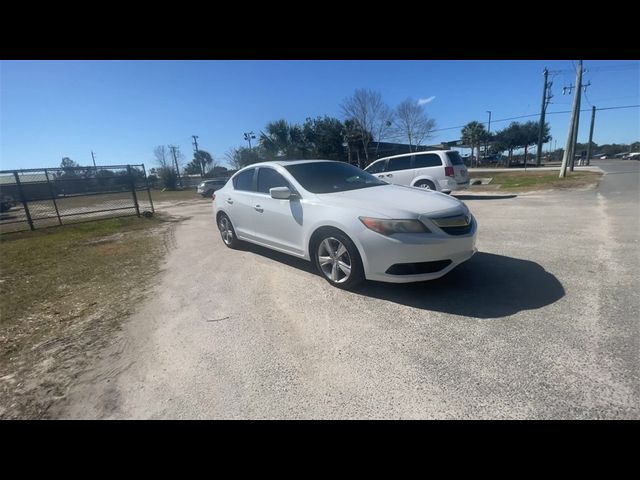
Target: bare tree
[163, 157]
[371, 116]
[412, 123]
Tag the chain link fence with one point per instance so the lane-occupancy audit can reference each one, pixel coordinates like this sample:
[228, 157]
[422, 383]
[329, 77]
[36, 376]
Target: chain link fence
[40, 198]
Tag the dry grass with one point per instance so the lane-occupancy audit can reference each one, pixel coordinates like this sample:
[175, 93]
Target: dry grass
[63, 293]
[535, 180]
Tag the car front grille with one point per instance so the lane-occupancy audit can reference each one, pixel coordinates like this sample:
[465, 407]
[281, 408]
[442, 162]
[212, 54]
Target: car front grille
[455, 224]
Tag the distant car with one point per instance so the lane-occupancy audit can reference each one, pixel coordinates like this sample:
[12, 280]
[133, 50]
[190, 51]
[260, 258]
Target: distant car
[6, 203]
[440, 170]
[603, 157]
[208, 187]
[634, 156]
[350, 224]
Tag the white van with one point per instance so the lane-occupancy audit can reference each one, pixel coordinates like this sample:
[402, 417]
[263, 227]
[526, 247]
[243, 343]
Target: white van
[441, 170]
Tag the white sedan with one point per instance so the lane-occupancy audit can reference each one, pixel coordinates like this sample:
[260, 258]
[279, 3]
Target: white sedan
[349, 223]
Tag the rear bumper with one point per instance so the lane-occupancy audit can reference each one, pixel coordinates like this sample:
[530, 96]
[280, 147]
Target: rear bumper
[383, 252]
[450, 184]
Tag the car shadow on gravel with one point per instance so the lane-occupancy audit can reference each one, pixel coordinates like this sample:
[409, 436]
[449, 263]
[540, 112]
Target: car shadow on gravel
[487, 286]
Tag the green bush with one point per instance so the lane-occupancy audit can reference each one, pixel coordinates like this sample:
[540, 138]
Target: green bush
[168, 178]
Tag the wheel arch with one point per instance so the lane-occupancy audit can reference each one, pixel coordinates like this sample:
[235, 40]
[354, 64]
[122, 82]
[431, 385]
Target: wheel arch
[425, 177]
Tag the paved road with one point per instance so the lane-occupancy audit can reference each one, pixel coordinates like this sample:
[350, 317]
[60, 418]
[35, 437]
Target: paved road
[542, 323]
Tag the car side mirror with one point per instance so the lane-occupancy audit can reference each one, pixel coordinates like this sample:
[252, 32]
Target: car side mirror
[282, 193]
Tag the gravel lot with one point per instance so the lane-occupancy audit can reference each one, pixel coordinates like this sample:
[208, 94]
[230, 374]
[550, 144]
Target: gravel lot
[541, 323]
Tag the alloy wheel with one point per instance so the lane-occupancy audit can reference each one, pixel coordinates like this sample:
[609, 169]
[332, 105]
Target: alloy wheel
[334, 260]
[226, 230]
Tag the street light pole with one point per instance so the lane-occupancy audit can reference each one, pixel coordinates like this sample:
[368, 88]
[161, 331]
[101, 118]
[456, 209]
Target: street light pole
[248, 136]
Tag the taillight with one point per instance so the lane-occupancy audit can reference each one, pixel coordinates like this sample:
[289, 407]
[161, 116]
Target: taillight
[448, 171]
[213, 197]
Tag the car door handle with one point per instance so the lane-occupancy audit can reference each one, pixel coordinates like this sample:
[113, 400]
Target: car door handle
[258, 208]
[390, 175]
[229, 201]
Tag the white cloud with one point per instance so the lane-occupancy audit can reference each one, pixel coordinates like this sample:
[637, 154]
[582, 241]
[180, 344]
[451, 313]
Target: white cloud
[424, 101]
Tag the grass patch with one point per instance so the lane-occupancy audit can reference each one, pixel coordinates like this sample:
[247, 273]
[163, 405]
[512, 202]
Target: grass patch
[535, 180]
[63, 293]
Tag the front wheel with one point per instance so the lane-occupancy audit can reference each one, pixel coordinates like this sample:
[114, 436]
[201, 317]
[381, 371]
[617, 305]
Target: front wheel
[337, 258]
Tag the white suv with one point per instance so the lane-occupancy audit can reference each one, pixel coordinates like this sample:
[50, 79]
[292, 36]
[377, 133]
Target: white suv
[441, 170]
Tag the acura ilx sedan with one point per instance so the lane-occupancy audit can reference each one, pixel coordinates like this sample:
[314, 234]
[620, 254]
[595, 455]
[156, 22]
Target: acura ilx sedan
[349, 223]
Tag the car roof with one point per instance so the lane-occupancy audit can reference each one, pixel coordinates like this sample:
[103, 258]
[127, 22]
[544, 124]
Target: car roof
[413, 153]
[289, 162]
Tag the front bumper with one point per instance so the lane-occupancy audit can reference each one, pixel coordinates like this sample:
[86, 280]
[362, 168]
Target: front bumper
[380, 252]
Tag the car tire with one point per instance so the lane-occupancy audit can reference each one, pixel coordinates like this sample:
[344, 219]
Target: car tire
[342, 268]
[227, 232]
[426, 184]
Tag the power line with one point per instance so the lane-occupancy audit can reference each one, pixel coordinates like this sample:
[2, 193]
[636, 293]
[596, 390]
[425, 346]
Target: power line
[535, 115]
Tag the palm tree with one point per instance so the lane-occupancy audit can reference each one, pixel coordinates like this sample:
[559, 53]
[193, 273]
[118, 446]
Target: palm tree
[277, 141]
[474, 134]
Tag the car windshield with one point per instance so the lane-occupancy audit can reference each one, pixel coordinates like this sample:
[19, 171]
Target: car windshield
[328, 177]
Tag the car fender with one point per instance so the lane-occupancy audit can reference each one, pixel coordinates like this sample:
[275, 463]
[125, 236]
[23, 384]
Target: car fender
[351, 228]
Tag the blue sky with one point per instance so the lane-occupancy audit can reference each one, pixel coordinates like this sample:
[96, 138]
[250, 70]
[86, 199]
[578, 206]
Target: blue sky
[122, 109]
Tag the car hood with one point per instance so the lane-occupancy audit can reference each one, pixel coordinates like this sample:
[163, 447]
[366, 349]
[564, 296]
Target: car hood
[395, 201]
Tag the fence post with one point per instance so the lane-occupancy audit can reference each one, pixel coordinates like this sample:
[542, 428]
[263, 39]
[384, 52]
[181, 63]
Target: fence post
[146, 182]
[53, 196]
[133, 190]
[24, 202]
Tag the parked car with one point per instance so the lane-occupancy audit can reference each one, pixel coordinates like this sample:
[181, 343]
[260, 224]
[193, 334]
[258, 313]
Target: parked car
[207, 187]
[441, 170]
[6, 203]
[634, 156]
[349, 223]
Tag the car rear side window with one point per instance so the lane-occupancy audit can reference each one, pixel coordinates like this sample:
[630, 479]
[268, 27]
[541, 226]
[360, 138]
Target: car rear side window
[269, 178]
[400, 163]
[428, 160]
[455, 158]
[244, 181]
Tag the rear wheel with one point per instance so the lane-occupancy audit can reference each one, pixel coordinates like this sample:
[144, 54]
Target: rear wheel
[338, 260]
[426, 184]
[227, 232]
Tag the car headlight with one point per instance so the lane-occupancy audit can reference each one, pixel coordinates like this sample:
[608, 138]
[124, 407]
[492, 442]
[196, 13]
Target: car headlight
[389, 227]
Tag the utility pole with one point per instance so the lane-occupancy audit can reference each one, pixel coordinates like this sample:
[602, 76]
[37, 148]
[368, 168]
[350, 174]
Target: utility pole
[94, 161]
[175, 160]
[488, 133]
[573, 125]
[195, 150]
[593, 120]
[546, 97]
[579, 88]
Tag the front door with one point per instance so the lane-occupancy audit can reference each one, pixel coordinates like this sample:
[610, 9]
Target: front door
[278, 223]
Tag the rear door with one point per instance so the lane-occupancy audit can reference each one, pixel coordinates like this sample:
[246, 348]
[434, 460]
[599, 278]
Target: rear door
[461, 174]
[238, 202]
[399, 170]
